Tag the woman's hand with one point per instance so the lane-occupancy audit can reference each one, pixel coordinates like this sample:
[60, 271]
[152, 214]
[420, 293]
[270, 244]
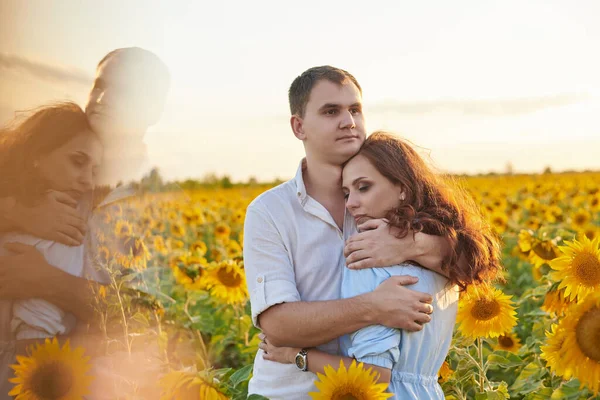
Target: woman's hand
[284, 355]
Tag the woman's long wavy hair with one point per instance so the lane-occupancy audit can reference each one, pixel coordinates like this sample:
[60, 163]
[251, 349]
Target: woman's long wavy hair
[26, 139]
[436, 205]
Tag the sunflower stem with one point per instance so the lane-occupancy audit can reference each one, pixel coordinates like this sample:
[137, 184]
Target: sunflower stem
[203, 350]
[122, 308]
[481, 365]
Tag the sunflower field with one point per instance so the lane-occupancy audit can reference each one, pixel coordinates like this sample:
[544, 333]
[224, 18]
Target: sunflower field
[177, 306]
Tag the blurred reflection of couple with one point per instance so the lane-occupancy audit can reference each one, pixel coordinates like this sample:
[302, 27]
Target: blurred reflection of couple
[50, 162]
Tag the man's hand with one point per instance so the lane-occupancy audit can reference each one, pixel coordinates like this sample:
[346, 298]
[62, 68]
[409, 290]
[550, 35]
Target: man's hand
[54, 218]
[398, 307]
[376, 246]
[23, 274]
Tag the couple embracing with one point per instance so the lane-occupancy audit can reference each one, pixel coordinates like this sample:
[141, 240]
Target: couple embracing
[51, 161]
[361, 256]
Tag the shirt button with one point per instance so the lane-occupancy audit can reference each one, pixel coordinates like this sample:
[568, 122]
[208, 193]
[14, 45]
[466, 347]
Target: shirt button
[299, 194]
[259, 280]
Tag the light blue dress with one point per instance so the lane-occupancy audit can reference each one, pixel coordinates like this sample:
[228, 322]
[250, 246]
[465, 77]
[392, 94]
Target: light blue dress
[414, 357]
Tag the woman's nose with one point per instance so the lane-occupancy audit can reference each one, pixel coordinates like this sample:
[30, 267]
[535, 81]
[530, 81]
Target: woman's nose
[351, 202]
[86, 180]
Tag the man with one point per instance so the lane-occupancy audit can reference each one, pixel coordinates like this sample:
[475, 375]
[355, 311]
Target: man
[294, 243]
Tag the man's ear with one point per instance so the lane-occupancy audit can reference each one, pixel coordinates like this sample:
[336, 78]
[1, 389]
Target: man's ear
[297, 125]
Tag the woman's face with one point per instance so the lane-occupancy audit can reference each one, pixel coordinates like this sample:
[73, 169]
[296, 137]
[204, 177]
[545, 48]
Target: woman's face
[369, 194]
[71, 167]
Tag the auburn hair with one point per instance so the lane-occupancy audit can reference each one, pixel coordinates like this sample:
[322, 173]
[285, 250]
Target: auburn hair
[30, 136]
[437, 205]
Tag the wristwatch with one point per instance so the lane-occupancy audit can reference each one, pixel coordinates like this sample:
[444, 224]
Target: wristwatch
[302, 360]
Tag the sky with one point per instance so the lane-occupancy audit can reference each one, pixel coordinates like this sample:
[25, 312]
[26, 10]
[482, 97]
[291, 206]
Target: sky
[475, 84]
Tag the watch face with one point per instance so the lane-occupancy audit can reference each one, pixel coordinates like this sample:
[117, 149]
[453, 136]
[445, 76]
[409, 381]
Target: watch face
[300, 362]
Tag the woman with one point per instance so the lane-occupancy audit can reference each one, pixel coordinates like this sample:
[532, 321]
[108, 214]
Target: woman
[388, 179]
[52, 149]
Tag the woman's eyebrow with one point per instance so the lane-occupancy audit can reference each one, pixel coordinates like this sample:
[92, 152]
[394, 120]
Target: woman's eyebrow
[354, 182]
[82, 153]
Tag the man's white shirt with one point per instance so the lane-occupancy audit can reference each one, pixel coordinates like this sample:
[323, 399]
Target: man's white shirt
[293, 251]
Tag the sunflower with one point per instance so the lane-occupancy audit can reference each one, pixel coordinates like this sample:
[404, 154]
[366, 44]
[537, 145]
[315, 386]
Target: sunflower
[51, 372]
[578, 354]
[531, 204]
[578, 268]
[590, 231]
[355, 382]
[238, 217]
[445, 372]
[508, 342]
[177, 230]
[485, 311]
[103, 255]
[555, 302]
[190, 272]
[542, 252]
[159, 244]
[580, 218]
[199, 248]
[553, 214]
[123, 229]
[131, 252]
[227, 282]
[234, 250]
[175, 244]
[180, 385]
[526, 240]
[595, 202]
[533, 222]
[222, 231]
[499, 222]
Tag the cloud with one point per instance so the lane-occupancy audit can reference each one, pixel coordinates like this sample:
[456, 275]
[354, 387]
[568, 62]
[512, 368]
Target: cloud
[494, 107]
[41, 70]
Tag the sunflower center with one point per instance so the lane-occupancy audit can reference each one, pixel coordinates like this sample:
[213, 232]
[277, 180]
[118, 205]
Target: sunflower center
[229, 278]
[51, 381]
[587, 268]
[544, 251]
[587, 334]
[346, 392]
[485, 309]
[505, 341]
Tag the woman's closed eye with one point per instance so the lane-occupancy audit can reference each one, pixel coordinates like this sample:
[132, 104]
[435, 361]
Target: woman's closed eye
[78, 160]
[363, 188]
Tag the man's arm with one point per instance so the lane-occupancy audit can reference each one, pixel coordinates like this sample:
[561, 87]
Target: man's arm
[27, 274]
[309, 324]
[316, 360]
[53, 218]
[377, 246]
[279, 311]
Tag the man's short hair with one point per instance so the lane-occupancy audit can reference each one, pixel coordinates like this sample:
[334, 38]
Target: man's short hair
[146, 64]
[302, 86]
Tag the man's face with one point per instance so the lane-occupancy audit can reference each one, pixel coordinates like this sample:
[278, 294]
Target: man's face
[333, 123]
[118, 106]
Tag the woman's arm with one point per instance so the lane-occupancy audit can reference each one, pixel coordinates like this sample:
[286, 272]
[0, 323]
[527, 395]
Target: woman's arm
[27, 274]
